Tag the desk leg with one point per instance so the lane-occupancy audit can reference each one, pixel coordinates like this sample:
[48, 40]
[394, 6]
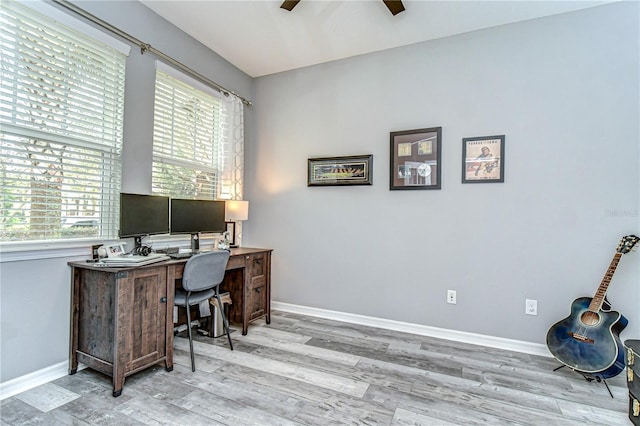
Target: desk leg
[268, 287]
[117, 380]
[171, 289]
[75, 306]
[268, 314]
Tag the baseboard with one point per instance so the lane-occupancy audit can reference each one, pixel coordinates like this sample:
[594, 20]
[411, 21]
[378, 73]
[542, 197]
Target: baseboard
[31, 380]
[422, 330]
[37, 378]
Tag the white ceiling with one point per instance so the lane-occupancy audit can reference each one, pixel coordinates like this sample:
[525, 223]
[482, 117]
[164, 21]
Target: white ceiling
[260, 38]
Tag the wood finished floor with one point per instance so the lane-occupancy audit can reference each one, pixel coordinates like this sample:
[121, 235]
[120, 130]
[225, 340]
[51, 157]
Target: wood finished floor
[302, 370]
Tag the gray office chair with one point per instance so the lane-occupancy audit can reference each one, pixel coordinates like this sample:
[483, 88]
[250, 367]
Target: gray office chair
[201, 279]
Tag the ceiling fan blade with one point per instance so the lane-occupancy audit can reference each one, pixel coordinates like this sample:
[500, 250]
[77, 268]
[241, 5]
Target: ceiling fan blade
[394, 6]
[289, 4]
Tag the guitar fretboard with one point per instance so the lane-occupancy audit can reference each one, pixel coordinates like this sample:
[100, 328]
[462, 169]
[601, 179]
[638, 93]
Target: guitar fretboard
[598, 299]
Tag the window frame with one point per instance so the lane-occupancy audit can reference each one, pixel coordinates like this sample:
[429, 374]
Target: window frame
[217, 138]
[62, 247]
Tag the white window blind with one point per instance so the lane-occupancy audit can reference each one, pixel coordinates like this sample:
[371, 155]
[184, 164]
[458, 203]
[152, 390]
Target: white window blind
[186, 155]
[61, 115]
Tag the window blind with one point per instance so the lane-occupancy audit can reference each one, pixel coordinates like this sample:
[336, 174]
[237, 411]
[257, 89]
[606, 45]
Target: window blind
[61, 118]
[187, 135]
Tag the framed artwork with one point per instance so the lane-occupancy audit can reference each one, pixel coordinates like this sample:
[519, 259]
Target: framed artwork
[483, 159]
[337, 171]
[231, 229]
[415, 159]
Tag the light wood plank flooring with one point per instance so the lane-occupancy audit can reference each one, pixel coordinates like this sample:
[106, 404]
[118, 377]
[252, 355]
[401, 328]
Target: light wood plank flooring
[303, 370]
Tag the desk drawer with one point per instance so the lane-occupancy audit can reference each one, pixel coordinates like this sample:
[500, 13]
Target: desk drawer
[257, 302]
[257, 281]
[258, 285]
[236, 262]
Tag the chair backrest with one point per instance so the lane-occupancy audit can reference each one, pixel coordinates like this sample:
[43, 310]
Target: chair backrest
[205, 270]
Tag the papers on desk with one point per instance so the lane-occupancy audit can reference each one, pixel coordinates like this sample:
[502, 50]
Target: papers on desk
[134, 260]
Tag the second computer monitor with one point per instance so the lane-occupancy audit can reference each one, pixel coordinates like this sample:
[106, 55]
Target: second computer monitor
[195, 217]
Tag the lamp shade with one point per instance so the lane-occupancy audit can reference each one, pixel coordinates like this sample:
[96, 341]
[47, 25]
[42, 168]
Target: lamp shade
[236, 210]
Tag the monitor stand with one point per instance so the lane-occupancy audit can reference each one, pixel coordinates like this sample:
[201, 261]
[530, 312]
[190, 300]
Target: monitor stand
[195, 243]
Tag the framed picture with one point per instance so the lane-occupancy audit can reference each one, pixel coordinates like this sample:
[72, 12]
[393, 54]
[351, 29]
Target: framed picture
[231, 229]
[483, 159]
[415, 159]
[336, 171]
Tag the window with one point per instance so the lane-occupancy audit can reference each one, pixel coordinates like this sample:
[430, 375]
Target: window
[61, 115]
[197, 140]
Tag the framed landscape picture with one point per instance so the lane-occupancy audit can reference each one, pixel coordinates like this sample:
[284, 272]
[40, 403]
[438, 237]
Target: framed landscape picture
[483, 159]
[415, 159]
[335, 171]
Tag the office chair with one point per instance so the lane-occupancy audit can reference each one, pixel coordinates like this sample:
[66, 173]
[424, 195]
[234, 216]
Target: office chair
[201, 279]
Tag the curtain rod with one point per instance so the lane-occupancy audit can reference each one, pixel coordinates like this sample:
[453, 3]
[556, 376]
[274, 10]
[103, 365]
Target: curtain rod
[145, 47]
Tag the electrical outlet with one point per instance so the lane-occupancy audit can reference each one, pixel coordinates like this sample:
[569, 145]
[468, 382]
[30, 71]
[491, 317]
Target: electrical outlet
[531, 307]
[451, 296]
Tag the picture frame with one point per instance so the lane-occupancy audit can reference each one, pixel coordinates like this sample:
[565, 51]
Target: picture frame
[340, 171]
[483, 159]
[415, 159]
[231, 229]
[115, 250]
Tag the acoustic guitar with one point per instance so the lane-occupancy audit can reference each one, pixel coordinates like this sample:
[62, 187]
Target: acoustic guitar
[588, 339]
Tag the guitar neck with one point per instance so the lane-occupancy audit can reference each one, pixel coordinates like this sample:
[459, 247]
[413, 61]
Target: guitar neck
[598, 299]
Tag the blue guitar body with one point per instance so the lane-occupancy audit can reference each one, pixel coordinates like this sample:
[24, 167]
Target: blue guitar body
[589, 342]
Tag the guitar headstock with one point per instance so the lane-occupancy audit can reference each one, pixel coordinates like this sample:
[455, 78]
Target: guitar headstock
[627, 244]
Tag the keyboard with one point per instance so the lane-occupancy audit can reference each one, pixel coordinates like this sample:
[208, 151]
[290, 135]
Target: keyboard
[180, 255]
[134, 259]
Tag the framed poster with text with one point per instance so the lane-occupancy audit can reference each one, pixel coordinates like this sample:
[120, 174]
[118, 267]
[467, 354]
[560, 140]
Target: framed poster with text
[483, 159]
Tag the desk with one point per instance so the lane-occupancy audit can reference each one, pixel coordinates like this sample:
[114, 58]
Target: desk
[122, 318]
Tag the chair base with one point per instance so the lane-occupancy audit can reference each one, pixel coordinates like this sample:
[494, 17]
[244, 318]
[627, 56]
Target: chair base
[225, 323]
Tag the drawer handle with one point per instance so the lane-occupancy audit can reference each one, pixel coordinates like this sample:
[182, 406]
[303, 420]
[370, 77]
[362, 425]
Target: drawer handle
[163, 300]
[258, 290]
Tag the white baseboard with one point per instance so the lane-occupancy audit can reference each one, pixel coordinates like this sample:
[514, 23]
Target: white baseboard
[37, 378]
[422, 330]
[32, 380]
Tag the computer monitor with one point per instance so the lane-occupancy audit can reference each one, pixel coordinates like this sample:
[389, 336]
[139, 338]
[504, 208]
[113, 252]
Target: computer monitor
[142, 215]
[196, 216]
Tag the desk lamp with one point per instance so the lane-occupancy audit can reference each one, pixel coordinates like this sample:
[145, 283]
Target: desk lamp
[235, 211]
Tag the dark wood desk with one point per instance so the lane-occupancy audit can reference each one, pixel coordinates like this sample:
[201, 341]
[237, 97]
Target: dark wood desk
[122, 318]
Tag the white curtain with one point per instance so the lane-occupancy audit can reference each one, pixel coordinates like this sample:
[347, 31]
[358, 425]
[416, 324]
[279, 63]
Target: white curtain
[232, 179]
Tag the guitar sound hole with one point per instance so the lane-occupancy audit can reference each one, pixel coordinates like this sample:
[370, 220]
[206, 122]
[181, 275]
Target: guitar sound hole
[590, 318]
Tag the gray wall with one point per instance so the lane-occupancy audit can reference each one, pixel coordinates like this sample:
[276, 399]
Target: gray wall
[34, 294]
[563, 89]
